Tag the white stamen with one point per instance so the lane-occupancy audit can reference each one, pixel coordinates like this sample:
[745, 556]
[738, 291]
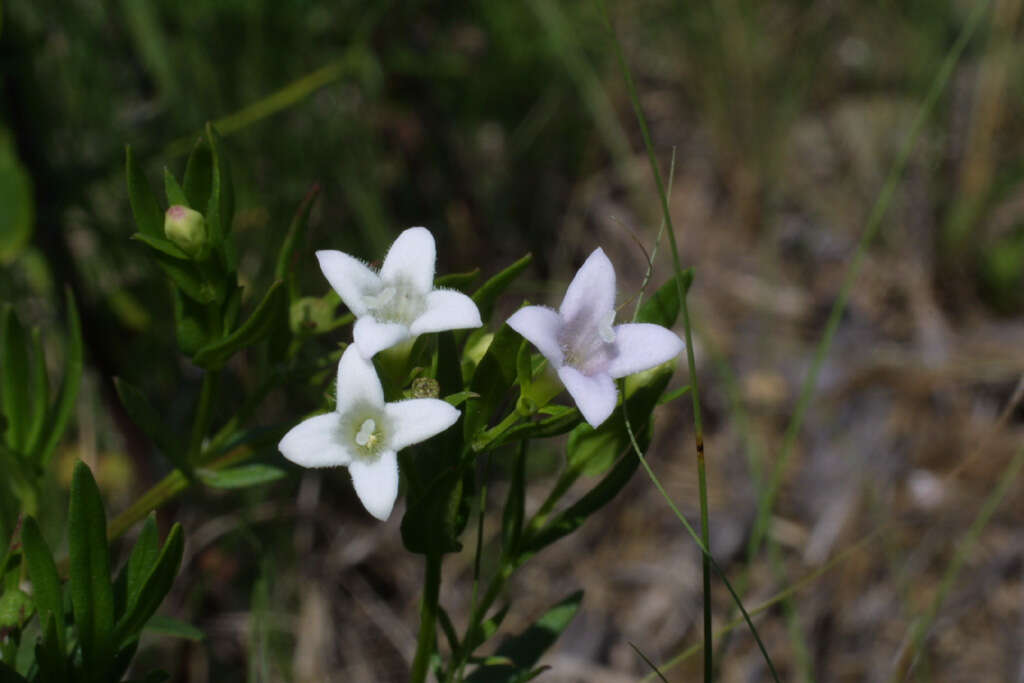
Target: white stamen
[365, 434]
[605, 330]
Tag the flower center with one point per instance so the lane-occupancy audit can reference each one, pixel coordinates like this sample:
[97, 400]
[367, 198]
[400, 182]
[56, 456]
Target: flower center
[396, 302]
[590, 347]
[365, 431]
[366, 436]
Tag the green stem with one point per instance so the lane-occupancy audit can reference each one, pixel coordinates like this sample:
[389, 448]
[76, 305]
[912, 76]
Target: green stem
[204, 414]
[428, 617]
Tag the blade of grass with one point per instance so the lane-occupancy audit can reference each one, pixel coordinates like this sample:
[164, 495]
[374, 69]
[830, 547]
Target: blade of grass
[921, 628]
[874, 222]
[647, 661]
[698, 424]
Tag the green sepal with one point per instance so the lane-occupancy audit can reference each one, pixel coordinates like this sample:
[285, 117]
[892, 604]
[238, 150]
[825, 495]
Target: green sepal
[60, 412]
[154, 588]
[295, 234]
[149, 217]
[92, 595]
[46, 592]
[175, 195]
[198, 179]
[162, 245]
[260, 324]
[493, 288]
[518, 655]
[240, 477]
[152, 423]
[14, 380]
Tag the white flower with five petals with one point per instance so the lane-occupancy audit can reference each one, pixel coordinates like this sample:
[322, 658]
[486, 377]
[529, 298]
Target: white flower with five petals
[365, 434]
[585, 348]
[400, 301]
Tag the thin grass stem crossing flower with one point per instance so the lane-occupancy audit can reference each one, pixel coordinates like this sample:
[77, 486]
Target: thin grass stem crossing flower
[399, 302]
[365, 434]
[584, 346]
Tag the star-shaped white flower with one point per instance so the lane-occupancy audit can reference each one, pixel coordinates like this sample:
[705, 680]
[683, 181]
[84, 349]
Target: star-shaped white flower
[583, 346]
[400, 301]
[365, 434]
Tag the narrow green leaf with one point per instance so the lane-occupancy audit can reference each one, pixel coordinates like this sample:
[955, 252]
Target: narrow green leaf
[162, 245]
[525, 650]
[493, 288]
[559, 420]
[40, 391]
[221, 205]
[188, 278]
[60, 413]
[154, 589]
[296, 231]
[515, 503]
[492, 380]
[240, 477]
[486, 630]
[199, 176]
[151, 422]
[259, 325]
[14, 379]
[174, 628]
[663, 307]
[189, 323]
[448, 629]
[51, 655]
[458, 281]
[92, 596]
[175, 195]
[42, 570]
[149, 217]
[524, 364]
[17, 206]
[141, 562]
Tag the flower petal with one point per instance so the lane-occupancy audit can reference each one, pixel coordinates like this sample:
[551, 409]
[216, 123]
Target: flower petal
[540, 326]
[376, 483]
[447, 310]
[595, 395]
[411, 259]
[418, 419]
[350, 278]
[641, 346]
[314, 443]
[358, 383]
[371, 336]
[591, 294]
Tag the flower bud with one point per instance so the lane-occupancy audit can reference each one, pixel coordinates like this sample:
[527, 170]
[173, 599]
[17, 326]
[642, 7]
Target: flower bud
[310, 315]
[186, 228]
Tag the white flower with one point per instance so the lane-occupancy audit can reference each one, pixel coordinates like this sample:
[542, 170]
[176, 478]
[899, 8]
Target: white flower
[583, 346]
[365, 433]
[400, 302]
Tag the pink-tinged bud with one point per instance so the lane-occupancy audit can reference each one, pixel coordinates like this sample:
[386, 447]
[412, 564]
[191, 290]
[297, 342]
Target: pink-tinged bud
[186, 228]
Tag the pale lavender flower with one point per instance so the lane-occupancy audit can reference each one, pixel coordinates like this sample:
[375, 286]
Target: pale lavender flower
[400, 301]
[585, 348]
[365, 434]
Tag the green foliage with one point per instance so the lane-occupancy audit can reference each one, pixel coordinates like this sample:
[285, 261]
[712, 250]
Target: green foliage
[17, 206]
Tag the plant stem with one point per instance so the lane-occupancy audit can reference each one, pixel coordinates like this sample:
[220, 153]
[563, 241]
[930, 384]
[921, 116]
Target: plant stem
[204, 413]
[428, 616]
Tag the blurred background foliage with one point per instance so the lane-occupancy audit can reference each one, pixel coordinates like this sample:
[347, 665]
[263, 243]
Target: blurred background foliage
[504, 127]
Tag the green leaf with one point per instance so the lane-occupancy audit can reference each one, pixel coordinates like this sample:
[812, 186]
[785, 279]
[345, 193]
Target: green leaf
[15, 608]
[42, 570]
[141, 562]
[60, 412]
[492, 380]
[515, 504]
[296, 231]
[17, 207]
[92, 596]
[189, 323]
[662, 308]
[9, 675]
[174, 628]
[149, 217]
[175, 195]
[259, 325]
[487, 628]
[51, 654]
[493, 288]
[155, 587]
[458, 281]
[40, 392]
[560, 420]
[523, 651]
[240, 477]
[152, 423]
[199, 176]
[221, 205]
[14, 381]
